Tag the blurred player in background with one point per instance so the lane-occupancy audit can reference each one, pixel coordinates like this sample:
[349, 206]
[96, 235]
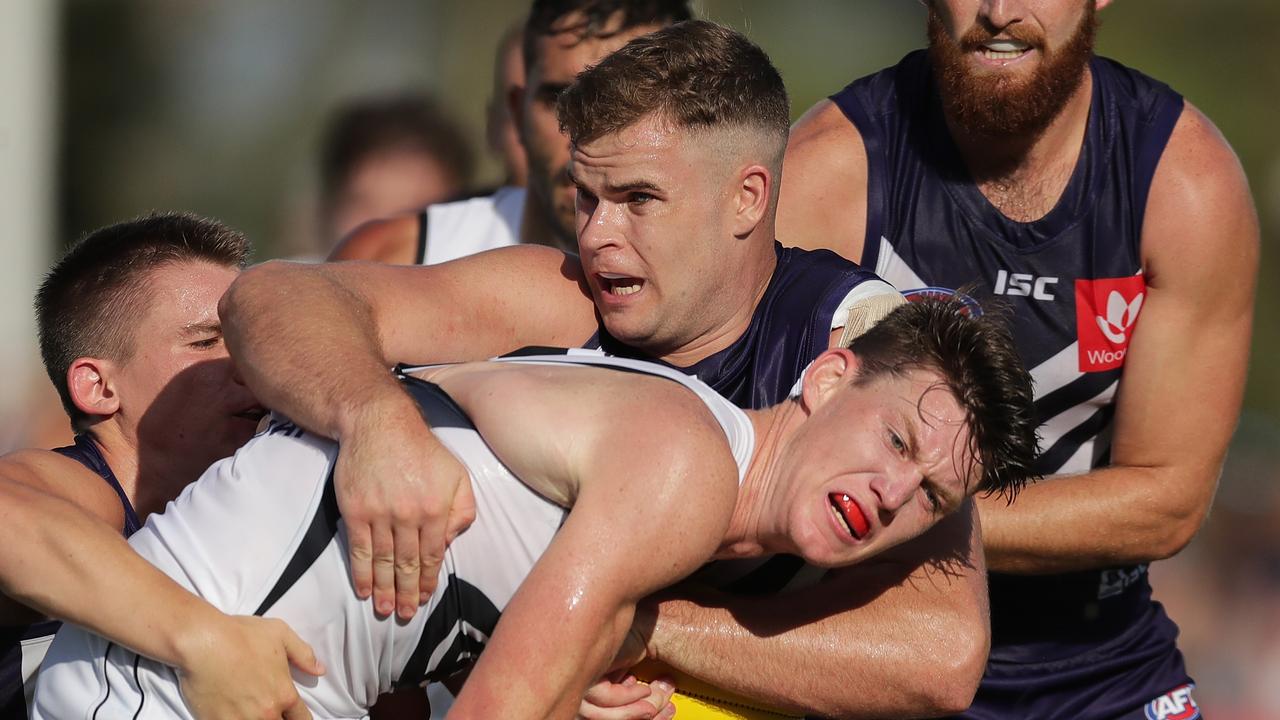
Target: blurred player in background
[384, 156]
[501, 132]
[561, 38]
[1117, 222]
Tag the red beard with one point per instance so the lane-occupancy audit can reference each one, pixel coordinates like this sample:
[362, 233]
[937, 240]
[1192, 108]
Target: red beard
[995, 105]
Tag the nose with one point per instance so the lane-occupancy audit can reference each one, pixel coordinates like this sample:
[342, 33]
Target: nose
[999, 14]
[895, 486]
[599, 226]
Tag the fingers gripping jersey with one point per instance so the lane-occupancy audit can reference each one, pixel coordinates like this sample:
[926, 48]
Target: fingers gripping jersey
[260, 533]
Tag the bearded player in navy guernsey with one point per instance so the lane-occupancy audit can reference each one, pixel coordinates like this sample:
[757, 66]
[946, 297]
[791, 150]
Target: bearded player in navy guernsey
[1116, 222]
[129, 335]
[880, 441]
[678, 139]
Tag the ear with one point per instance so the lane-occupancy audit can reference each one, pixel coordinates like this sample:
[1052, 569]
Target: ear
[90, 382]
[831, 371]
[515, 106]
[751, 201]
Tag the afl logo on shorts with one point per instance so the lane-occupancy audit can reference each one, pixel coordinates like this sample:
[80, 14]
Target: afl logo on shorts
[971, 306]
[1106, 312]
[1174, 705]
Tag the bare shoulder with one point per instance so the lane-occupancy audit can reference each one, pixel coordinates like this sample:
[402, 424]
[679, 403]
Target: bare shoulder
[549, 423]
[823, 199]
[57, 475]
[393, 241]
[1199, 207]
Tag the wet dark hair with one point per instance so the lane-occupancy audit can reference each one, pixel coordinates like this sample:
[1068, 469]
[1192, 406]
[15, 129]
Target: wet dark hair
[977, 359]
[89, 301]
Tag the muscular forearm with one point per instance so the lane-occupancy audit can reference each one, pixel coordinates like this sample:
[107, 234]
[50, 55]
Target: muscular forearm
[916, 649]
[64, 563]
[307, 346]
[1110, 517]
[905, 635]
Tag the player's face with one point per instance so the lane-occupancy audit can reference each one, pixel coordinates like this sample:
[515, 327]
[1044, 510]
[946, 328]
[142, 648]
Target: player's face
[388, 183]
[874, 465]
[560, 58]
[179, 389]
[653, 214]
[1008, 68]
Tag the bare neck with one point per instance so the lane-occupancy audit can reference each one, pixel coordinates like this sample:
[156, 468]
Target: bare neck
[148, 484]
[746, 290]
[1024, 176]
[758, 525]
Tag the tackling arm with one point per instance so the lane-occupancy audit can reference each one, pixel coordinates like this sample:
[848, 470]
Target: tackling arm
[903, 635]
[315, 342]
[1183, 380]
[62, 560]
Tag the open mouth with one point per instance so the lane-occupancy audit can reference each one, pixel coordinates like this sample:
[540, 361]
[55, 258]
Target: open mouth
[1003, 49]
[846, 510]
[619, 285]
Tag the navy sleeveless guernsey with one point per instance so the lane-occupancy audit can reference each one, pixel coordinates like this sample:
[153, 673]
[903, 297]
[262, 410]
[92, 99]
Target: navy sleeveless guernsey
[32, 640]
[789, 328]
[1079, 645]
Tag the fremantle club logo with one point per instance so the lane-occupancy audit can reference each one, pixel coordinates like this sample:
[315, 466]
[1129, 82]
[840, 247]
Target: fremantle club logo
[971, 306]
[1176, 704]
[1106, 312]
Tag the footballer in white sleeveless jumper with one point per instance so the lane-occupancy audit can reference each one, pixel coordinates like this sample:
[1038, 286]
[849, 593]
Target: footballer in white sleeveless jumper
[259, 534]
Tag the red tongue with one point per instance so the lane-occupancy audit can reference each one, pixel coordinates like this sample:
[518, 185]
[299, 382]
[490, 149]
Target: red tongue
[852, 514]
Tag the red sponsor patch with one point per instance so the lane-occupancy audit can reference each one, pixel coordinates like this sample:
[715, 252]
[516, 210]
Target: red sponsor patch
[1106, 314]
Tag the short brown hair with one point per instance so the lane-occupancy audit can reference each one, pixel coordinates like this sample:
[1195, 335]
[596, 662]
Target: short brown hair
[87, 303]
[979, 363]
[695, 74]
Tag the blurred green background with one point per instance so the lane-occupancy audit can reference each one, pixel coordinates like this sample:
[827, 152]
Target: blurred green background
[217, 107]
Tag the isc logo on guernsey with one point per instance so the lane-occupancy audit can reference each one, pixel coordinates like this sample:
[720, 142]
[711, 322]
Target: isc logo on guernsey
[1176, 704]
[1106, 311]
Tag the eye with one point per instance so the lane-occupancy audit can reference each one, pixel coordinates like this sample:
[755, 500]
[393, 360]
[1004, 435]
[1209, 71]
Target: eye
[896, 442]
[931, 495]
[640, 198]
[207, 343]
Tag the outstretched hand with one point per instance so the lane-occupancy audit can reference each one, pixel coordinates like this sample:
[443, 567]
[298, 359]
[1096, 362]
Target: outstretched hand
[240, 670]
[403, 497]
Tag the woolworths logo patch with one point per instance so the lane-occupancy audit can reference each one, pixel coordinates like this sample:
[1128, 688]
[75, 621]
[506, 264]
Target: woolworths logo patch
[1106, 313]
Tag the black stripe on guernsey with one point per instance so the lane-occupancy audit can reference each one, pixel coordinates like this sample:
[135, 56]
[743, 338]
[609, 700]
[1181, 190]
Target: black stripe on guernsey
[528, 350]
[422, 237]
[318, 536]
[770, 577]
[462, 601]
[105, 656]
[440, 410]
[142, 694]
[1055, 456]
[1087, 386]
